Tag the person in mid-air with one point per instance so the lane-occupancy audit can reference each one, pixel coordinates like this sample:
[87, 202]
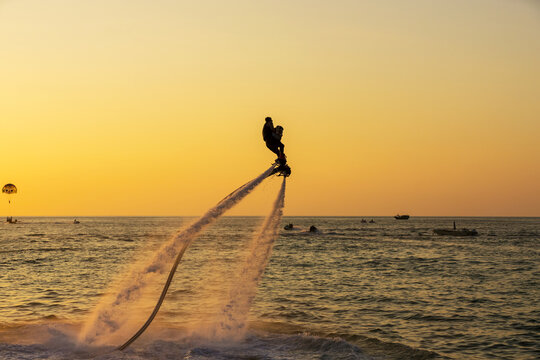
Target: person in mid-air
[272, 137]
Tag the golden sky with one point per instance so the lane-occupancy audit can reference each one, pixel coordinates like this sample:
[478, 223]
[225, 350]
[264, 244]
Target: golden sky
[117, 107]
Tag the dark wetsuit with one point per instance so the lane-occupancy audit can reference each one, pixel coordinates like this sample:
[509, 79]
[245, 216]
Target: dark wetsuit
[272, 140]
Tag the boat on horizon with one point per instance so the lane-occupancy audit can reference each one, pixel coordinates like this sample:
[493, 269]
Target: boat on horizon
[401, 217]
[456, 232]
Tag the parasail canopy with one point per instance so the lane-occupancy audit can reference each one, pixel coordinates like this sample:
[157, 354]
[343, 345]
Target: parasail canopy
[9, 189]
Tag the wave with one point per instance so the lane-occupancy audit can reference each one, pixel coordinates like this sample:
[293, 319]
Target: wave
[265, 340]
[358, 346]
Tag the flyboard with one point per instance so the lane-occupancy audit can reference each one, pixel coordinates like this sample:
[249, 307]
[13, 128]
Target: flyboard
[281, 169]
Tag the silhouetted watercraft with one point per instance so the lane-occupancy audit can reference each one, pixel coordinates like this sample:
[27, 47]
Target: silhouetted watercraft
[76, 221]
[371, 221]
[288, 227]
[363, 221]
[456, 232]
[401, 217]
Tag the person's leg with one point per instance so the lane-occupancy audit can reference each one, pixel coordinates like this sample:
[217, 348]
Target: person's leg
[281, 149]
[273, 147]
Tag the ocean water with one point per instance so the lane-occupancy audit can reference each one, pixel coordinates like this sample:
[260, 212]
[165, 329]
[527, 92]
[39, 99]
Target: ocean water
[388, 290]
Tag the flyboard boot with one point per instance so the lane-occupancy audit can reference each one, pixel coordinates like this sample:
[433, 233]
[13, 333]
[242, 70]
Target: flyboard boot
[282, 169]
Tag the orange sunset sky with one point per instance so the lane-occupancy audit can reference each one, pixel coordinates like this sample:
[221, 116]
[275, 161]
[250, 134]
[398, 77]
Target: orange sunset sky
[117, 107]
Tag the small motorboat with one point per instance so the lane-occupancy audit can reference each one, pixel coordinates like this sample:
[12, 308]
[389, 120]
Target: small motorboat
[363, 221]
[288, 227]
[372, 221]
[456, 232]
[76, 221]
[401, 217]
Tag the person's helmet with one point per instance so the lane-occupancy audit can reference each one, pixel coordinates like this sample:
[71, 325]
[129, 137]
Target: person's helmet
[268, 118]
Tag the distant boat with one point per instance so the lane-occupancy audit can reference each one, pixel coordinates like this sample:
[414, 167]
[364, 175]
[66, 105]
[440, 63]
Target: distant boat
[76, 221]
[456, 232]
[372, 221]
[288, 227]
[363, 221]
[401, 217]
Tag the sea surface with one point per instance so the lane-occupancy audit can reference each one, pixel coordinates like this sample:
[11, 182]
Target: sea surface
[384, 290]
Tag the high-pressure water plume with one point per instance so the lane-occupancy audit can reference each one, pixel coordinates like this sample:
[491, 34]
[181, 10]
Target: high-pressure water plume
[232, 322]
[110, 317]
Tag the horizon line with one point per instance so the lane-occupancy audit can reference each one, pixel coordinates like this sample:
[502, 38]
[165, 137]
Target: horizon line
[263, 215]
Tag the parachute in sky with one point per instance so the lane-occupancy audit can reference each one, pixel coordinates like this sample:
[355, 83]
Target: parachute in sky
[9, 189]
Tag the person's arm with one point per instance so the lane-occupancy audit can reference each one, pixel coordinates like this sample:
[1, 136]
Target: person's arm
[267, 131]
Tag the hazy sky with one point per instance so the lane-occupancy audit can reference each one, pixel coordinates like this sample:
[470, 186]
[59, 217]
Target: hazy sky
[156, 107]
